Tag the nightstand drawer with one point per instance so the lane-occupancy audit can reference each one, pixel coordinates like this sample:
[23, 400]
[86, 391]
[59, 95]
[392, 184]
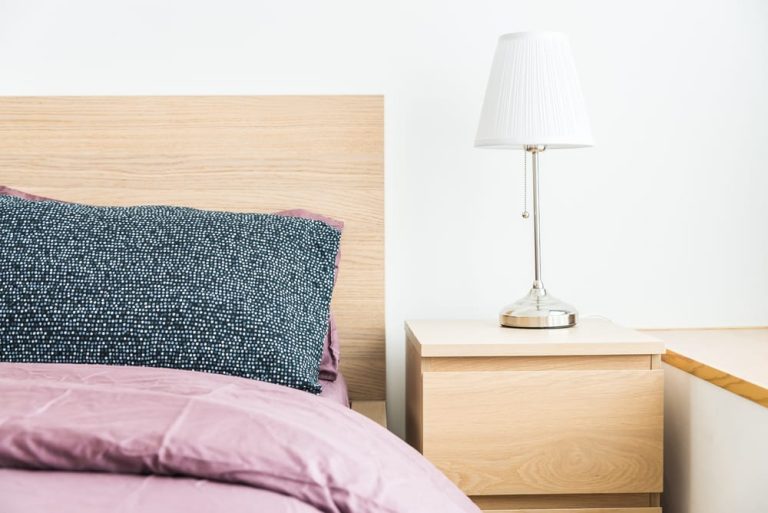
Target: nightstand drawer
[545, 432]
[577, 510]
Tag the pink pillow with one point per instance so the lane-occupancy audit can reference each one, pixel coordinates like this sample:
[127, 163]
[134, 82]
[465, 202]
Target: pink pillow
[7, 191]
[329, 363]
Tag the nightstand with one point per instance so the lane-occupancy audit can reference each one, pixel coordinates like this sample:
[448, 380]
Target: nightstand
[544, 420]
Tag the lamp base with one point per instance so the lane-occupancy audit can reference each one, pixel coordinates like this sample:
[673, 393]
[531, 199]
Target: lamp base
[538, 310]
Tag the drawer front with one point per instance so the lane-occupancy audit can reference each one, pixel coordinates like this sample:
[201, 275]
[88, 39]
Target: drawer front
[577, 510]
[546, 432]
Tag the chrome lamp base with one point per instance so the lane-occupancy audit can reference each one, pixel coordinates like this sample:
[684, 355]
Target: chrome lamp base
[538, 310]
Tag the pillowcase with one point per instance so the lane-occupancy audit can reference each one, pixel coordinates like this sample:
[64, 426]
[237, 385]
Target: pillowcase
[329, 363]
[240, 294]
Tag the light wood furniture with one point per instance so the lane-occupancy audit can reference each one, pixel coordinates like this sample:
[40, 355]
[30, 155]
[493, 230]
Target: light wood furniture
[716, 419]
[735, 359]
[374, 410]
[543, 420]
[237, 153]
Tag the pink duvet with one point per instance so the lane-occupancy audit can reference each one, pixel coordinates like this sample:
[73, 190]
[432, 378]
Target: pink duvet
[135, 439]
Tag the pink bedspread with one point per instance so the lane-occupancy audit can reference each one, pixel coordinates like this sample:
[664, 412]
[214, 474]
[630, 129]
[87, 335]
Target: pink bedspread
[37, 491]
[231, 444]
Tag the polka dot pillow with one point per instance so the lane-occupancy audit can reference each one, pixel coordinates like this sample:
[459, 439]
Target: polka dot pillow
[329, 363]
[240, 294]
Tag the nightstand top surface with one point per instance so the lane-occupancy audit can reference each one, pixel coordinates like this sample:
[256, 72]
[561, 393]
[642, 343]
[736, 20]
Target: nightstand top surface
[462, 338]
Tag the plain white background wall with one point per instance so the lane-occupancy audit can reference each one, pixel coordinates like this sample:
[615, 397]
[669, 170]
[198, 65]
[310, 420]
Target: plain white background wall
[663, 223]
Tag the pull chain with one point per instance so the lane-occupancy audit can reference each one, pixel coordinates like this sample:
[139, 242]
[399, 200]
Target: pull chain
[525, 185]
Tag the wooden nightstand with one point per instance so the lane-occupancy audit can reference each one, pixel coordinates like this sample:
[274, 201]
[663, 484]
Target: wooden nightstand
[544, 420]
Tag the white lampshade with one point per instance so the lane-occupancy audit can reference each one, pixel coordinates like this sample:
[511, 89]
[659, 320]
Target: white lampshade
[533, 95]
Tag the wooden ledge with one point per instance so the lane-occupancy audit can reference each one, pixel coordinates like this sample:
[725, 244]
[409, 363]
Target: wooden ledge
[735, 359]
[374, 410]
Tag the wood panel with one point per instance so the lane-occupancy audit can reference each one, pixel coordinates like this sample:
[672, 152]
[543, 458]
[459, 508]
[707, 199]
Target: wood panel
[563, 501]
[374, 410]
[577, 510]
[520, 363]
[557, 432]
[242, 154]
[414, 390]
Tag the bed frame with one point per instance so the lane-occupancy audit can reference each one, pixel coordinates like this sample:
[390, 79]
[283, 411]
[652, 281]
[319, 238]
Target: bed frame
[237, 153]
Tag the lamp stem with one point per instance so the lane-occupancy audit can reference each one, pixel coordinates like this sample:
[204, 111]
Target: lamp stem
[537, 309]
[537, 283]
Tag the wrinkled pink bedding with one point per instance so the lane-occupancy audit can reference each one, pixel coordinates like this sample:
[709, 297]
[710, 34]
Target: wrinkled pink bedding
[36, 491]
[230, 443]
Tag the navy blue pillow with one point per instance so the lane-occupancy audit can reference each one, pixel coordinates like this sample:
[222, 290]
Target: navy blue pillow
[240, 294]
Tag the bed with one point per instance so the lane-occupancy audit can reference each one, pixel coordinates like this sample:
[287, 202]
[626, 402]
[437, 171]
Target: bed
[85, 437]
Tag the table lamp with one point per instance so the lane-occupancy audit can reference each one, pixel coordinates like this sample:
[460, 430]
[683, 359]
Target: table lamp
[533, 103]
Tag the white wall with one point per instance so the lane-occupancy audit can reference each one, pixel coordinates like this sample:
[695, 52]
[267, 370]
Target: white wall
[714, 448]
[663, 223]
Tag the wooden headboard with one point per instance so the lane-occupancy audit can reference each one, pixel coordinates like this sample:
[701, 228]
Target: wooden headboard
[237, 153]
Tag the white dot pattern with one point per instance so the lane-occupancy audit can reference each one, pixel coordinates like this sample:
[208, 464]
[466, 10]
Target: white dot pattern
[240, 294]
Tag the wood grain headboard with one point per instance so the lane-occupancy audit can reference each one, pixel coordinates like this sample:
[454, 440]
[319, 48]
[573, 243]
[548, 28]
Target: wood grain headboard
[237, 153]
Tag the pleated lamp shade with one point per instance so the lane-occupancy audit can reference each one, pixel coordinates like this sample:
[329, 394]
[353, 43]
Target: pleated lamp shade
[533, 95]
